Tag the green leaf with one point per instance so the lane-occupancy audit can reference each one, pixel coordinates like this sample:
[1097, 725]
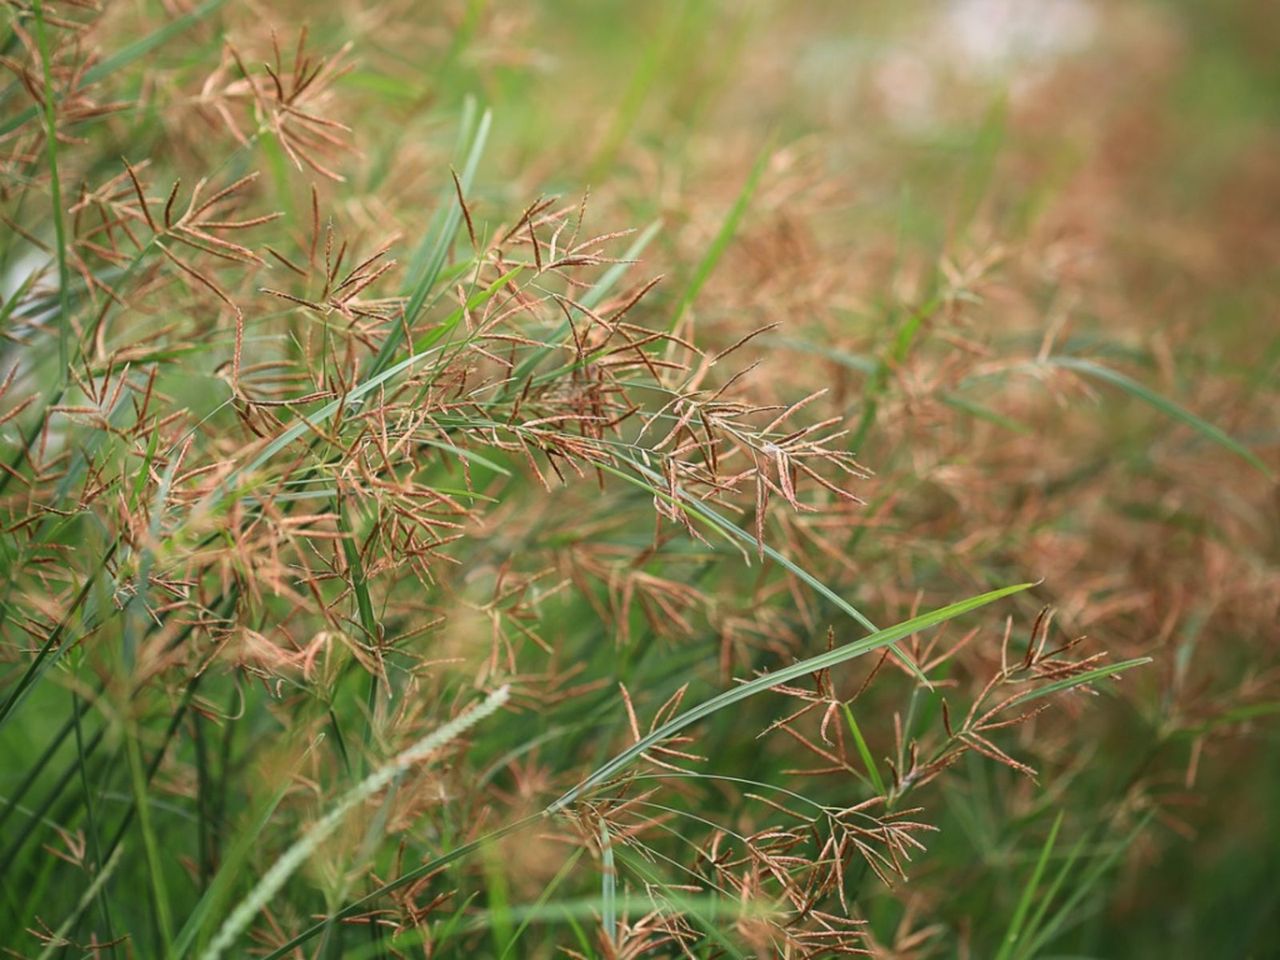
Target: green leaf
[608, 886]
[362, 905]
[429, 260]
[723, 237]
[1086, 883]
[1067, 683]
[219, 890]
[849, 651]
[1029, 893]
[864, 752]
[1165, 406]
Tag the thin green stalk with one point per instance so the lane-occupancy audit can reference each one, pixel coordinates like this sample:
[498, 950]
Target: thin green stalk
[724, 236]
[55, 188]
[95, 891]
[230, 870]
[91, 821]
[204, 791]
[1085, 885]
[13, 801]
[41, 811]
[163, 915]
[539, 905]
[1010, 941]
[864, 751]
[53, 647]
[608, 886]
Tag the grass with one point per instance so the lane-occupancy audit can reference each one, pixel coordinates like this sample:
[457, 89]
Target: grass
[475, 483]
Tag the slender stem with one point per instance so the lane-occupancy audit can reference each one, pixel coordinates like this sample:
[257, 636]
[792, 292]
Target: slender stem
[55, 187]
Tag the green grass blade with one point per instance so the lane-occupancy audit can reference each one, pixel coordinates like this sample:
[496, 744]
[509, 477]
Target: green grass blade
[300, 429]
[686, 905]
[55, 190]
[982, 412]
[498, 893]
[211, 902]
[434, 250]
[722, 238]
[840, 654]
[864, 752]
[579, 933]
[357, 907]
[59, 938]
[732, 531]
[1051, 894]
[160, 899]
[14, 799]
[1028, 893]
[1164, 405]
[608, 886]
[633, 100]
[144, 45]
[1087, 883]
[465, 454]
[90, 814]
[298, 853]
[539, 909]
[364, 605]
[53, 647]
[1068, 683]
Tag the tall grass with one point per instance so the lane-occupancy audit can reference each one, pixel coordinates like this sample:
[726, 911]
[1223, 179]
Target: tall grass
[474, 483]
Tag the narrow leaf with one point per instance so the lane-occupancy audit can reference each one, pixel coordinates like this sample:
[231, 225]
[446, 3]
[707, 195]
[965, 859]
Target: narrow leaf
[849, 651]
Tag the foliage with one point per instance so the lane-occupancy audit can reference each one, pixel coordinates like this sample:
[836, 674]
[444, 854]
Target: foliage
[582, 480]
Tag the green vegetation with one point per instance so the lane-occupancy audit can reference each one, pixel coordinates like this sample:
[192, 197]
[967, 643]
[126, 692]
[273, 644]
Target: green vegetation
[611, 480]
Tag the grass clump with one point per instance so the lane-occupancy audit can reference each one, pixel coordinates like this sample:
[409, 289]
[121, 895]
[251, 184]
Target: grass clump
[410, 548]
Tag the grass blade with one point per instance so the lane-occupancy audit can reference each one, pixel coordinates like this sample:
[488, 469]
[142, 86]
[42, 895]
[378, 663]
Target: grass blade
[59, 938]
[160, 900]
[55, 191]
[1166, 406]
[723, 237]
[539, 908]
[732, 531]
[608, 886]
[1029, 893]
[1068, 683]
[840, 654]
[595, 295]
[434, 250]
[228, 872]
[122, 58]
[301, 850]
[299, 429]
[1087, 883]
[357, 907]
[53, 647]
[864, 752]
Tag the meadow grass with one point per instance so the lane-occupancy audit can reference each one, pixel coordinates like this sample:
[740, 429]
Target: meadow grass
[601, 480]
